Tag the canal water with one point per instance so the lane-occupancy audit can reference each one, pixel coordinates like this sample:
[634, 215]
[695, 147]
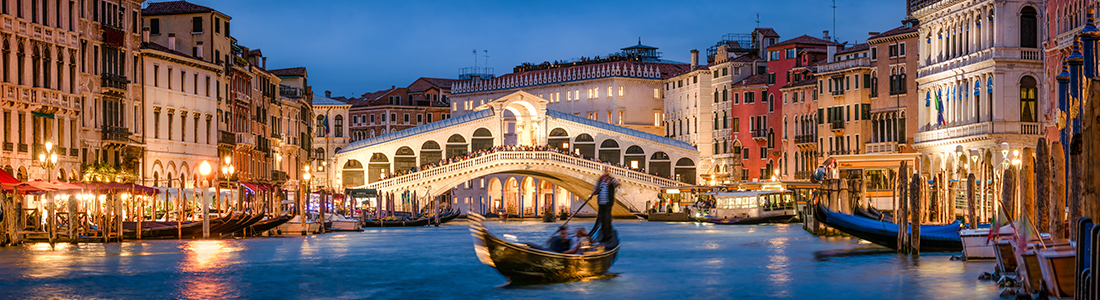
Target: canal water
[656, 261]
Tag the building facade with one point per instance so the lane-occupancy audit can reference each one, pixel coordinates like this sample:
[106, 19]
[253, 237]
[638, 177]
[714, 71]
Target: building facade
[179, 111]
[981, 80]
[329, 137]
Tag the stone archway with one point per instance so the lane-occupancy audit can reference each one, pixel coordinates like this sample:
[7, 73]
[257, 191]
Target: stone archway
[430, 153]
[660, 165]
[685, 170]
[584, 145]
[482, 140]
[511, 195]
[378, 167]
[634, 158]
[495, 193]
[456, 146]
[610, 152]
[352, 173]
[404, 159]
[558, 138]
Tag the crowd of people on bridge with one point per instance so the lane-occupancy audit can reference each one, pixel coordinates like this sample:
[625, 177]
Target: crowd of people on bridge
[503, 148]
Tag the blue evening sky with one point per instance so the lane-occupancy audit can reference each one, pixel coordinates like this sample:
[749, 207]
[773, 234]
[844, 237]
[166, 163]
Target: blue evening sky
[352, 47]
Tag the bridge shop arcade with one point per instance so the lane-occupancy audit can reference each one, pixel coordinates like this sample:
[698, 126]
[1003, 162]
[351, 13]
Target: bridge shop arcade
[515, 156]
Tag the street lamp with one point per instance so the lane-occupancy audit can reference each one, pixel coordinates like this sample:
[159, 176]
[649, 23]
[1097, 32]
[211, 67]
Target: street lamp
[305, 201]
[48, 160]
[227, 172]
[204, 170]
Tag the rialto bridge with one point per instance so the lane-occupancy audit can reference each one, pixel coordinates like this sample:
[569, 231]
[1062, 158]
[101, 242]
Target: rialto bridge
[644, 163]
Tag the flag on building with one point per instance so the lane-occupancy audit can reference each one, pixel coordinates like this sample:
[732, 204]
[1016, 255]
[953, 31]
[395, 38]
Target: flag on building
[324, 123]
[939, 110]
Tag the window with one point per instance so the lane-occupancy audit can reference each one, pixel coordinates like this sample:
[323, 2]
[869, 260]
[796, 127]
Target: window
[372, 118]
[621, 91]
[339, 125]
[217, 25]
[901, 49]
[1028, 100]
[419, 118]
[429, 118]
[196, 24]
[790, 53]
[406, 118]
[874, 53]
[1029, 29]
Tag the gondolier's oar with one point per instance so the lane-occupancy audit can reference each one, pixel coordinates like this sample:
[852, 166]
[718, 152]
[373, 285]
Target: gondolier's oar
[575, 212]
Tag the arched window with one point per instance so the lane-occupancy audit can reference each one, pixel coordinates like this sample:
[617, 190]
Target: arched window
[339, 126]
[1028, 100]
[1029, 28]
[320, 128]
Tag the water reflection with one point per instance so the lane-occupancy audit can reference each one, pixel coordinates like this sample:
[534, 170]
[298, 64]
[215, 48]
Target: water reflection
[204, 265]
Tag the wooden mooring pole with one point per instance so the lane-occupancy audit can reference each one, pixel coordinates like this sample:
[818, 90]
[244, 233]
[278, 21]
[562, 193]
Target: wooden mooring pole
[1042, 186]
[900, 213]
[915, 211]
[1058, 191]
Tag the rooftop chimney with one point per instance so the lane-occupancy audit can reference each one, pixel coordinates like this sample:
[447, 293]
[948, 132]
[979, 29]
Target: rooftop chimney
[871, 34]
[198, 49]
[145, 34]
[825, 35]
[328, 94]
[172, 41]
[721, 55]
[265, 63]
[694, 58]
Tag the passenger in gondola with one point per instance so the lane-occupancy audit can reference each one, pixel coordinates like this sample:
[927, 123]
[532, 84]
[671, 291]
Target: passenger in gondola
[560, 241]
[579, 242]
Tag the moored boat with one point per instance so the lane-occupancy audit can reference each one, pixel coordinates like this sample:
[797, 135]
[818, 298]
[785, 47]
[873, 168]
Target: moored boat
[934, 238]
[337, 222]
[269, 224]
[295, 226]
[421, 222]
[753, 207]
[1057, 266]
[976, 243]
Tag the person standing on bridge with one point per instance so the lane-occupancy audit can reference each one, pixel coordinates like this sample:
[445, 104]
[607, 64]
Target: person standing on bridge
[605, 198]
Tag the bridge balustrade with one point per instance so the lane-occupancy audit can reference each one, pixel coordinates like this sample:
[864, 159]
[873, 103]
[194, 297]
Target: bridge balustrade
[504, 156]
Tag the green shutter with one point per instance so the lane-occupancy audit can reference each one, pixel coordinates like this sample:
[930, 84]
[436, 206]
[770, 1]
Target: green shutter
[820, 116]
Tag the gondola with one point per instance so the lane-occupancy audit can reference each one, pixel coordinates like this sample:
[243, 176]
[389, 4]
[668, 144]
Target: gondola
[265, 225]
[245, 223]
[872, 213]
[933, 238]
[523, 264]
[421, 222]
[445, 217]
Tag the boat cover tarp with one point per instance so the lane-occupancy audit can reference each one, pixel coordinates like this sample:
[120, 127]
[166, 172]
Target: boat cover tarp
[949, 232]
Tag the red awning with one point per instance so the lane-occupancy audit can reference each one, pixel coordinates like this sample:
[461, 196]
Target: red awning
[6, 178]
[252, 188]
[119, 187]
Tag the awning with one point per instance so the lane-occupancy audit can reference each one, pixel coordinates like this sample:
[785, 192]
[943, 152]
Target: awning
[42, 115]
[252, 188]
[884, 160]
[6, 178]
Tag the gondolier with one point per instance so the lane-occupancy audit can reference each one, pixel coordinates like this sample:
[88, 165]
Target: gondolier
[605, 199]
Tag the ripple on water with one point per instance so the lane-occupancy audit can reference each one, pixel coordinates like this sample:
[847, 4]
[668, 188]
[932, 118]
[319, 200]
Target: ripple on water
[656, 261]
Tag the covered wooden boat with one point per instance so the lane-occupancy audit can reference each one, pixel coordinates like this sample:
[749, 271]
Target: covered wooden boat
[1006, 259]
[752, 207]
[521, 263]
[750, 221]
[269, 224]
[421, 222]
[934, 238]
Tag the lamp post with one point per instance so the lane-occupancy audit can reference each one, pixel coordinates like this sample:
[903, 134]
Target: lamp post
[227, 172]
[204, 170]
[48, 159]
[304, 201]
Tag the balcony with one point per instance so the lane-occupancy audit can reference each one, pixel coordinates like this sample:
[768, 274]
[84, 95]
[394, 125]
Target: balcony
[955, 132]
[290, 92]
[943, 63]
[8, 146]
[838, 92]
[74, 152]
[759, 134]
[837, 125]
[114, 83]
[279, 176]
[882, 147]
[225, 137]
[113, 35]
[246, 139]
[116, 134]
[805, 139]
[22, 147]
